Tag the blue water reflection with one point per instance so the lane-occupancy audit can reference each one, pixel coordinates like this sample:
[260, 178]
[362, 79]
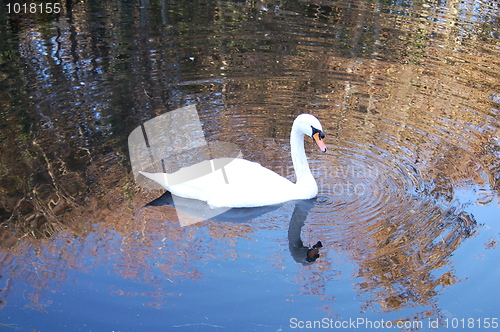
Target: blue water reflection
[251, 282]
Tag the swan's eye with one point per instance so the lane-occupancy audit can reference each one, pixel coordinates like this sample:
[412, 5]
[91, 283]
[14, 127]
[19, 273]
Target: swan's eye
[317, 131]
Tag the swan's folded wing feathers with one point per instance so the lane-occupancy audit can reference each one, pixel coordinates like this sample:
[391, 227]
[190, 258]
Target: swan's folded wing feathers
[250, 184]
[241, 171]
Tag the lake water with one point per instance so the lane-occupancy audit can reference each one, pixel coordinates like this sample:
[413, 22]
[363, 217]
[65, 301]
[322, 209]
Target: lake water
[408, 93]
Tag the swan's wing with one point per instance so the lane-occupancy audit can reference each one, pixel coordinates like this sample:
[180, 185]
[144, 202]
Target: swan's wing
[248, 184]
[241, 172]
[160, 178]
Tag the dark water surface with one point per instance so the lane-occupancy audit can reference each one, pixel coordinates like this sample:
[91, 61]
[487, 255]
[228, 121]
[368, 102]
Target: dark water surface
[408, 93]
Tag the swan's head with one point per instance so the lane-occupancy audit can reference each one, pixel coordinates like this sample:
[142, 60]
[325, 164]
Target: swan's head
[310, 126]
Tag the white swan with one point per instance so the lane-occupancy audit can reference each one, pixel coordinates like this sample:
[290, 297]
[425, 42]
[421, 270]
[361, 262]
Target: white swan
[243, 183]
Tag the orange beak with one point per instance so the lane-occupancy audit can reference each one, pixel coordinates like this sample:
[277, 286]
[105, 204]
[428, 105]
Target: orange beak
[320, 142]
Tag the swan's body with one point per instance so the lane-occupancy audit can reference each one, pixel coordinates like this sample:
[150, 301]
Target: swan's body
[243, 183]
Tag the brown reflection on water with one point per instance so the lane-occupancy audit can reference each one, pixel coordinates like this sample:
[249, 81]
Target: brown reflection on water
[404, 92]
[406, 267]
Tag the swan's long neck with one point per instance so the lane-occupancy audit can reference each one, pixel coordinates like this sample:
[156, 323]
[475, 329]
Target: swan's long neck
[299, 159]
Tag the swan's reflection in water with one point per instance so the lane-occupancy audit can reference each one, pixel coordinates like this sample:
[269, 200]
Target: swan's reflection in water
[305, 255]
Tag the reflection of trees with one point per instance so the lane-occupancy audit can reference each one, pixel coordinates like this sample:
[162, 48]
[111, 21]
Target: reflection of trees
[406, 267]
[142, 246]
[73, 89]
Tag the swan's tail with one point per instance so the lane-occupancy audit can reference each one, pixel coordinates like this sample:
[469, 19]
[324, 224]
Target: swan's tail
[192, 172]
[160, 178]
